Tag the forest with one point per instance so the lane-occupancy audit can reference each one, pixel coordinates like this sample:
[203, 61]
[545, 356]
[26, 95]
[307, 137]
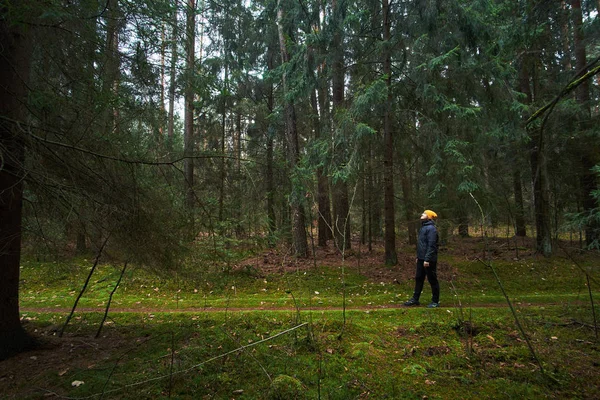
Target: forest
[204, 199]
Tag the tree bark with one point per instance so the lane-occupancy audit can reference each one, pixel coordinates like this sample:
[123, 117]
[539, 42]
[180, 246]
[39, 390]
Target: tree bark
[409, 209]
[341, 222]
[188, 150]
[539, 172]
[391, 258]
[370, 200]
[270, 147]
[589, 150]
[463, 223]
[163, 76]
[300, 241]
[540, 194]
[323, 207]
[110, 76]
[325, 222]
[520, 227]
[564, 28]
[15, 53]
[223, 167]
[173, 76]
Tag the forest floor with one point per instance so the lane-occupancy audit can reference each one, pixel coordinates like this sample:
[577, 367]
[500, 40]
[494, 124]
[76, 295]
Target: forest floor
[470, 347]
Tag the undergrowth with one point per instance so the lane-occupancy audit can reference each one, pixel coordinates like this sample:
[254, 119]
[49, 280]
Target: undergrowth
[230, 331]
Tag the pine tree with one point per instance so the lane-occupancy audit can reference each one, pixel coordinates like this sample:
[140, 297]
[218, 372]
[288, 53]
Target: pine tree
[390, 216]
[190, 44]
[16, 52]
[296, 201]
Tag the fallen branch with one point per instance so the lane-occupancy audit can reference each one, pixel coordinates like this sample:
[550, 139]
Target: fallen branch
[568, 89]
[512, 309]
[571, 323]
[589, 280]
[110, 300]
[87, 281]
[182, 371]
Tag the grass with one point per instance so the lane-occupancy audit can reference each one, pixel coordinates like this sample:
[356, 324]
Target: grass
[52, 285]
[209, 332]
[321, 287]
[382, 354]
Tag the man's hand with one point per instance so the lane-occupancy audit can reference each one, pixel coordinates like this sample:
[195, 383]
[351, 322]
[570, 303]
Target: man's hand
[426, 264]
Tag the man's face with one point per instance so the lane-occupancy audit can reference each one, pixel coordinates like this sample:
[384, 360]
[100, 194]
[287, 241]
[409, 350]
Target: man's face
[423, 217]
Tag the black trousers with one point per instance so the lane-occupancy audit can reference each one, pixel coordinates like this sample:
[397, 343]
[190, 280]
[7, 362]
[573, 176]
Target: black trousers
[431, 274]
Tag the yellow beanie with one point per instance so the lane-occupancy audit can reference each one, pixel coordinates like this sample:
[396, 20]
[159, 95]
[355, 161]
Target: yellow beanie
[430, 214]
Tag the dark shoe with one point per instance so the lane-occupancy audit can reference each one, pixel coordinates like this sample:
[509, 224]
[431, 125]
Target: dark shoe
[433, 305]
[412, 302]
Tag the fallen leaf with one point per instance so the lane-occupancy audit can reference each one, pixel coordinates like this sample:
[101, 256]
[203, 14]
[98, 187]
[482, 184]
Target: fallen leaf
[64, 371]
[428, 382]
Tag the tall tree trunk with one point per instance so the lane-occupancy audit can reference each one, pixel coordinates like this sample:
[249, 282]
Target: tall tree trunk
[325, 212]
[81, 244]
[365, 210]
[237, 145]
[173, 76]
[163, 77]
[370, 202]
[376, 204]
[589, 150]
[341, 221]
[391, 258]
[15, 53]
[520, 227]
[540, 194]
[298, 217]
[529, 85]
[269, 167]
[323, 207]
[463, 220]
[564, 27]
[597, 76]
[223, 172]
[111, 71]
[188, 141]
[270, 188]
[409, 209]
[325, 223]
[539, 170]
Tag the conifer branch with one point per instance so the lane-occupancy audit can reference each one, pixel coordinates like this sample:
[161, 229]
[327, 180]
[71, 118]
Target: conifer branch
[568, 89]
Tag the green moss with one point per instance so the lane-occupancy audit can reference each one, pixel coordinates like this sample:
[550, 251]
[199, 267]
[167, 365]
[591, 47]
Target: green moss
[285, 387]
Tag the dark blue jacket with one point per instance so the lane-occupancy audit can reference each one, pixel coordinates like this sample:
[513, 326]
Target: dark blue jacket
[427, 245]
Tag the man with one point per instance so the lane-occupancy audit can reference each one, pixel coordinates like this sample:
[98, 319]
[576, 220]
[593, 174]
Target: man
[427, 249]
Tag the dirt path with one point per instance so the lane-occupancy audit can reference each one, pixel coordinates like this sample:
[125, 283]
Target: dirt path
[192, 310]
